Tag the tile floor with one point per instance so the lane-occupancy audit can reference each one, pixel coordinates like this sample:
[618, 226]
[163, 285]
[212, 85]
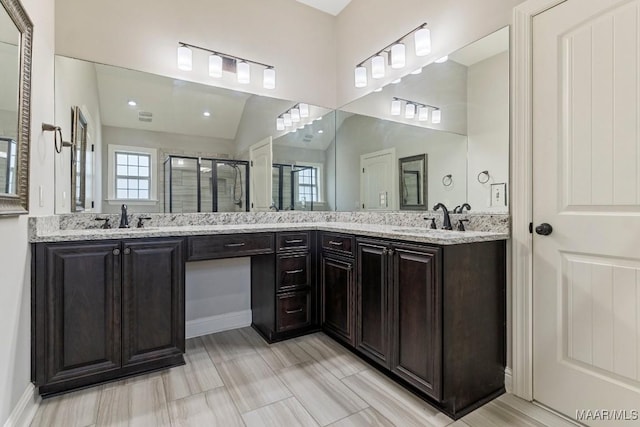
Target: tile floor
[234, 378]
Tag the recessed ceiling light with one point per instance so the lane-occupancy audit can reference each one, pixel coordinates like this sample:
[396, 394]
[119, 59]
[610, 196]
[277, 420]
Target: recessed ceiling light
[418, 71]
[442, 60]
[378, 90]
[206, 114]
[132, 103]
[396, 81]
[320, 131]
[319, 118]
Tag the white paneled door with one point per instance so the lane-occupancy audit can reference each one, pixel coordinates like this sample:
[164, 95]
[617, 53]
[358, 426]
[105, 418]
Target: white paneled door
[378, 185]
[260, 175]
[586, 157]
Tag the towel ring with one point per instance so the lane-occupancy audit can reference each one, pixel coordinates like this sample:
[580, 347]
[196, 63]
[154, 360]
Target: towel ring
[486, 178]
[447, 180]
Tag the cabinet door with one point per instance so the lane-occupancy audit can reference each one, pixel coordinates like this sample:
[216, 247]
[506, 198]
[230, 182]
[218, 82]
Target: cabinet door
[417, 325]
[338, 297]
[80, 310]
[372, 301]
[152, 300]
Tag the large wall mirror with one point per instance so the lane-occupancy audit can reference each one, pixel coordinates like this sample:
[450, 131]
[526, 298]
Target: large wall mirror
[15, 81]
[159, 144]
[453, 114]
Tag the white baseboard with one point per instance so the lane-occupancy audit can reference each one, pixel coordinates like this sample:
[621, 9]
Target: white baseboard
[25, 409]
[222, 322]
[508, 380]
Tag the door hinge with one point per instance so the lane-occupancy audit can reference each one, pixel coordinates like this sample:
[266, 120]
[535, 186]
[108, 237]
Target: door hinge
[363, 206]
[531, 227]
[251, 163]
[362, 170]
[93, 205]
[251, 205]
[93, 148]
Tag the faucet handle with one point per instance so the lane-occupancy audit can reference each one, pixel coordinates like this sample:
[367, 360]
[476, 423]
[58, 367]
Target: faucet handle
[433, 225]
[105, 225]
[461, 224]
[457, 209]
[141, 221]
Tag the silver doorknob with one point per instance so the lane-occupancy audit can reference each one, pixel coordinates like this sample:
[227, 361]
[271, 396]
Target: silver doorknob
[544, 229]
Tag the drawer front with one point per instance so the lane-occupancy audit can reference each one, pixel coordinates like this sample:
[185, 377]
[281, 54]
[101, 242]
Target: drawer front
[293, 310]
[229, 245]
[294, 271]
[292, 241]
[338, 243]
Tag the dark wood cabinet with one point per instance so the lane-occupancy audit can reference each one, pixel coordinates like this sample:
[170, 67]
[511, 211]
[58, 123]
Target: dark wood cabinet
[337, 271]
[104, 310]
[152, 300]
[416, 319]
[283, 288]
[372, 301]
[76, 324]
[434, 317]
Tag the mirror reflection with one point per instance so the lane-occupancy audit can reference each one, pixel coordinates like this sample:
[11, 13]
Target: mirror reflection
[165, 145]
[454, 112]
[9, 83]
[413, 182]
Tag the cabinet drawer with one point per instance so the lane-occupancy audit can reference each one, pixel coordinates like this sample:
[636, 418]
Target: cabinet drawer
[293, 310]
[294, 271]
[229, 245]
[338, 243]
[292, 241]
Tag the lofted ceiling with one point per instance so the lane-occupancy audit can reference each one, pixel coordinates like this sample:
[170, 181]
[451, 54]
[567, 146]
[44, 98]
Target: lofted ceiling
[176, 106]
[333, 7]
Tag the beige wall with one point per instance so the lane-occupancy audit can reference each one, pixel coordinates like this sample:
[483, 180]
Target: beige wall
[144, 34]
[15, 295]
[365, 26]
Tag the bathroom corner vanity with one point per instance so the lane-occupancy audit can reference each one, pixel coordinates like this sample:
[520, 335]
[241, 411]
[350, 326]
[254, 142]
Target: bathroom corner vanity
[427, 309]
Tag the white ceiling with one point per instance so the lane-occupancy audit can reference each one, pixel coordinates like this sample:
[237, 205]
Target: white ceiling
[177, 106]
[333, 7]
[482, 49]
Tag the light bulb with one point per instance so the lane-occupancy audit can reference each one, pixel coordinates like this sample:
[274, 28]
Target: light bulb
[132, 103]
[422, 39]
[409, 111]
[360, 76]
[295, 115]
[423, 114]
[244, 73]
[377, 67]
[395, 107]
[206, 114]
[215, 66]
[269, 78]
[185, 58]
[398, 55]
[286, 117]
[436, 116]
[279, 123]
[304, 109]
[442, 60]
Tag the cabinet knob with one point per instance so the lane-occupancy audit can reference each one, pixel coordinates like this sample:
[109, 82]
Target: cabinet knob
[116, 252]
[127, 251]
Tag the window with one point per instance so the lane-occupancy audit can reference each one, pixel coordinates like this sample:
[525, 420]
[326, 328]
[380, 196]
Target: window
[310, 182]
[308, 185]
[133, 176]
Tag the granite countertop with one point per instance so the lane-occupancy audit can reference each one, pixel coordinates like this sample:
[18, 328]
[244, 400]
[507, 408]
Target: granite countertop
[412, 234]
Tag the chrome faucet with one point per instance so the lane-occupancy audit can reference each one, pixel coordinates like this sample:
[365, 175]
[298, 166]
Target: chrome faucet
[446, 221]
[124, 222]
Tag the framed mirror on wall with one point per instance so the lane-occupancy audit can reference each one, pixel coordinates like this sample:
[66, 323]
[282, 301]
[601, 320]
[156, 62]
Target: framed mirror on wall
[16, 32]
[413, 182]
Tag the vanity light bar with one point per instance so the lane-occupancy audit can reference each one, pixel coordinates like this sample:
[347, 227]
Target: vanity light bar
[292, 115]
[216, 63]
[396, 55]
[413, 109]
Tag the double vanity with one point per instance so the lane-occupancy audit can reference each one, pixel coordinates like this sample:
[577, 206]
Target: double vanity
[426, 307]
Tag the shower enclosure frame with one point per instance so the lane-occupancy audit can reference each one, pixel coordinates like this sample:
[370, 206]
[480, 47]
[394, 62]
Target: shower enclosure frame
[214, 176]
